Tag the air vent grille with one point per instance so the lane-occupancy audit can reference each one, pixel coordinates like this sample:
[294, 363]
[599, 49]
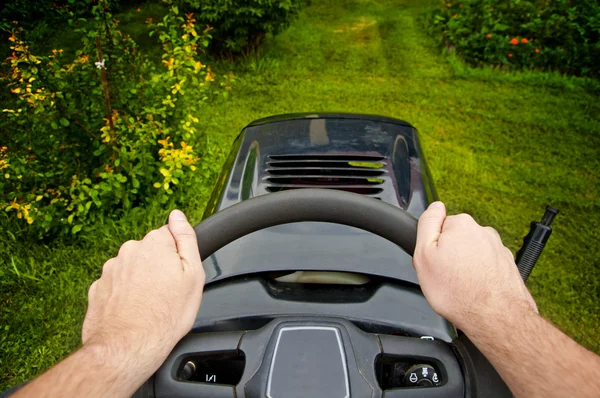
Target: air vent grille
[364, 175]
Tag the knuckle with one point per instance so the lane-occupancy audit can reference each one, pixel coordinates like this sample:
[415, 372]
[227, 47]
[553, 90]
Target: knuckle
[158, 235]
[154, 234]
[92, 290]
[492, 231]
[128, 246]
[461, 220]
[106, 269]
[464, 217]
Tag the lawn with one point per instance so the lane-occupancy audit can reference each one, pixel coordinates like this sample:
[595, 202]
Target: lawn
[500, 146]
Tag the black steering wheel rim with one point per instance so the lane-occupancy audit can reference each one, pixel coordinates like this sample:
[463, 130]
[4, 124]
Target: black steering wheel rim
[362, 349]
[322, 205]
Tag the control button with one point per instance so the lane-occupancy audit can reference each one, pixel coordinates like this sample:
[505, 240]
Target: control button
[421, 376]
[188, 370]
[427, 338]
[225, 367]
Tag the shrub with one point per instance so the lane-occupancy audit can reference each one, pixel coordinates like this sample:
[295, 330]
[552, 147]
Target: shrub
[240, 26]
[85, 139]
[562, 35]
[31, 13]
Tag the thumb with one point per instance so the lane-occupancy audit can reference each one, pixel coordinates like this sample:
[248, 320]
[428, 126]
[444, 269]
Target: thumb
[185, 238]
[430, 225]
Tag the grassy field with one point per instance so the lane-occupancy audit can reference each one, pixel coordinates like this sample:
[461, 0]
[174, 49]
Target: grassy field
[500, 147]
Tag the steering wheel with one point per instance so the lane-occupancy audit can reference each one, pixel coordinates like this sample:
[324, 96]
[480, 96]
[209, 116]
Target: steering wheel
[312, 356]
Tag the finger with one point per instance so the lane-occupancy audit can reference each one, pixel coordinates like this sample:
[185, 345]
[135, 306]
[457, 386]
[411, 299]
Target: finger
[92, 291]
[430, 225]
[493, 233]
[509, 255]
[185, 239]
[128, 247]
[108, 267]
[89, 313]
[458, 222]
[161, 236]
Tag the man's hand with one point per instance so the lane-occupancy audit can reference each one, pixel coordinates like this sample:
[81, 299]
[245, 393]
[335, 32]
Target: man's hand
[144, 303]
[465, 271]
[471, 279]
[148, 296]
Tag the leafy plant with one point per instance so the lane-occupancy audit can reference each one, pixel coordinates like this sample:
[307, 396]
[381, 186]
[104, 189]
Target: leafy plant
[562, 35]
[87, 139]
[240, 26]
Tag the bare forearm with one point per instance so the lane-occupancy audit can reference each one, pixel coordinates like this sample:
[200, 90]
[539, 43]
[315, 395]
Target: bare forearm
[534, 358]
[89, 372]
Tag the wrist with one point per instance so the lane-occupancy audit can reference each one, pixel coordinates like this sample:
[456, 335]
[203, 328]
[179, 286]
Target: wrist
[125, 366]
[140, 349]
[494, 322]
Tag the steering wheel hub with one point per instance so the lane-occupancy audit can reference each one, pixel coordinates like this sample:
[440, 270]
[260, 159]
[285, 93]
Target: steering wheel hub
[308, 356]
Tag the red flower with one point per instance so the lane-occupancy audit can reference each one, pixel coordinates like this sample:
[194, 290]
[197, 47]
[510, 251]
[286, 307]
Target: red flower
[537, 50]
[489, 36]
[514, 42]
[460, 6]
[139, 9]
[455, 15]
[524, 41]
[509, 55]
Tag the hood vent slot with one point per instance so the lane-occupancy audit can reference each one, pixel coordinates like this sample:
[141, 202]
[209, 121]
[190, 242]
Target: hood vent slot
[364, 175]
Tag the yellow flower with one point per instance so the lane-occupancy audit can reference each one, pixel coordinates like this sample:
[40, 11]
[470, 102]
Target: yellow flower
[169, 63]
[210, 77]
[82, 59]
[23, 211]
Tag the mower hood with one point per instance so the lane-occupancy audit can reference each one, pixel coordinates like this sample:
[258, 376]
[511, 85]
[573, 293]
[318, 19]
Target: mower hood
[373, 156]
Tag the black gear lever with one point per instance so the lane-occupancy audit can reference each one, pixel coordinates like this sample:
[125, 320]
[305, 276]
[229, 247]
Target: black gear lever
[534, 243]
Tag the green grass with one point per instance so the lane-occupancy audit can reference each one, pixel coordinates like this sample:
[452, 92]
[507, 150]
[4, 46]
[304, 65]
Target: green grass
[500, 146]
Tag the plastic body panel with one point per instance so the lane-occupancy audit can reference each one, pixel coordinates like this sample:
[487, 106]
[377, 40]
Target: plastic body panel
[358, 349]
[419, 350]
[229, 305]
[331, 247]
[165, 382]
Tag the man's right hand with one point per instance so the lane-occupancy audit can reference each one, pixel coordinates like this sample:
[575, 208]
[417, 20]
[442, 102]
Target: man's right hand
[471, 279]
[465, 271]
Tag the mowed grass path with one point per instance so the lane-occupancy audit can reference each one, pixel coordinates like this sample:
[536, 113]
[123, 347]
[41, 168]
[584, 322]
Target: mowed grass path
[498, 149]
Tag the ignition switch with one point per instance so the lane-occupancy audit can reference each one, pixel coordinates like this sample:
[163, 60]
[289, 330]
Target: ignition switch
[422, 376]
[188, 370]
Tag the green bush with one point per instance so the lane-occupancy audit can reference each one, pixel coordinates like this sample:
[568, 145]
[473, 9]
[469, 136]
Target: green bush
[82, 140]
[561, 35]
[30, 13]
[240, 26]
